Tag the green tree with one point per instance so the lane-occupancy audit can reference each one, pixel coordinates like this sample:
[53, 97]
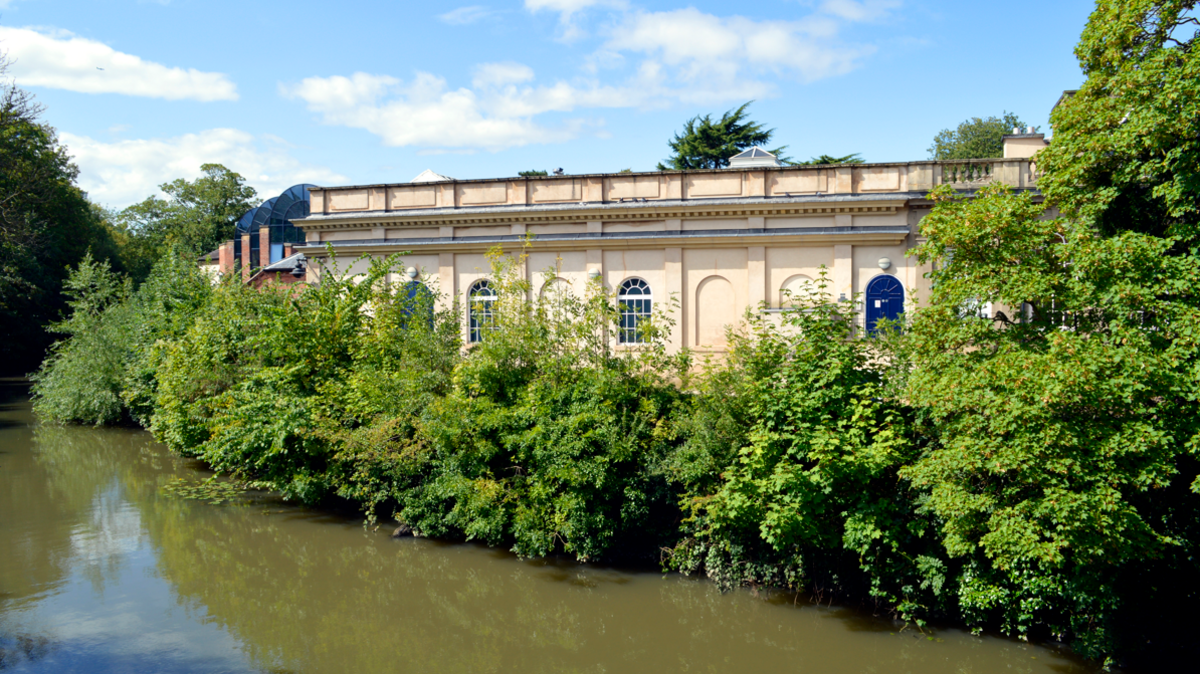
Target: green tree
[46, 225]
[1127, 144]
[532, 174]
[706, 143]
[1064, 439]
[80, 380]
[1124, 166]
[830, 159]
[104, 370]
[197, 216]
[976, 138]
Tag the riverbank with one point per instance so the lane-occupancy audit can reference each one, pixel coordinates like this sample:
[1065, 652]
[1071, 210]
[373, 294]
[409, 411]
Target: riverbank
[114, 574]
[889, 471]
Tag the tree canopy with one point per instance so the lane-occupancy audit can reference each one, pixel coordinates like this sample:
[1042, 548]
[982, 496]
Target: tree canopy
[197, 216]
[46, 224]
[1127, 144]
[823, 159]
[975, 138]
[1064, 470]
[706, 143]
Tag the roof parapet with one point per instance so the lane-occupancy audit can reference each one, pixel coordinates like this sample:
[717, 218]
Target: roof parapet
[692, 186]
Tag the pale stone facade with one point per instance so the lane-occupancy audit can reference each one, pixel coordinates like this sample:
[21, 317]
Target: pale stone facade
[721, 241]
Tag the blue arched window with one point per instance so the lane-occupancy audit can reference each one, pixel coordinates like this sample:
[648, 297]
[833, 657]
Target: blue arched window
[635, 303]
[885, 299]
[481, 301]
[418, 302]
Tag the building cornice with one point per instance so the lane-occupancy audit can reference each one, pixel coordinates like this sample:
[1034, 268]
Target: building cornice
[626, 241]
[691, 209]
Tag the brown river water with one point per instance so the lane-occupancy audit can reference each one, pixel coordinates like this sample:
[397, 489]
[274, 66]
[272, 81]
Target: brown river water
[100, 571]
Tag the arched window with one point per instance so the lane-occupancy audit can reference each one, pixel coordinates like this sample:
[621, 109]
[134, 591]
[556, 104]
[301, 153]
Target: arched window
[635, 302]
[417, 302]
[479, 307]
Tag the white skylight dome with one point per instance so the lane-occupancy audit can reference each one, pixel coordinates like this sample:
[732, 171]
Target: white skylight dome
[428, 176]
[755, 156]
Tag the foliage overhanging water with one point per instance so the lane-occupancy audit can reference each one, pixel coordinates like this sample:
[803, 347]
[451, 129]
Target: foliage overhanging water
[102, 571]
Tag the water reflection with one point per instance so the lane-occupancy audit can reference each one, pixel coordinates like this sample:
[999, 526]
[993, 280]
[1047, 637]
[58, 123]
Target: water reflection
[109, 574]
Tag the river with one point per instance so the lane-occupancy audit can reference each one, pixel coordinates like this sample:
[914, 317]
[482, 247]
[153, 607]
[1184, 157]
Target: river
[101, 571]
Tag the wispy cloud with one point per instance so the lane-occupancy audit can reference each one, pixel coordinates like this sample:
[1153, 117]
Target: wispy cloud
[465, 15]
[62, 60]
[568, 11]
[124, 172]
[501, 74]
[712, 52]
[859, 10]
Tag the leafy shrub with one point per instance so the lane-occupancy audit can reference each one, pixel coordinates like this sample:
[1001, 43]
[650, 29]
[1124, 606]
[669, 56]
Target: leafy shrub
[80, 380]
[547, 438]
[104, 371]
[810, 494]
[265, 381]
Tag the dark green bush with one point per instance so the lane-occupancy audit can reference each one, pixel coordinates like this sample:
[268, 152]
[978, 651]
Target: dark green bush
[1029, 475]
[809, 494]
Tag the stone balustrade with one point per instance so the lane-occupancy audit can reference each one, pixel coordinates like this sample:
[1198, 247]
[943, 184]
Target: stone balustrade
[788, 181]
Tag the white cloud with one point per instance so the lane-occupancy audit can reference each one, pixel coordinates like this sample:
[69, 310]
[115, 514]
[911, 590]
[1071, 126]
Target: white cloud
[569, 7]
[124, 172]
[466, 15]
[716, 52]
[681, 56]
[62, 60]
[496, 114]
[424, 112]
[501, 74]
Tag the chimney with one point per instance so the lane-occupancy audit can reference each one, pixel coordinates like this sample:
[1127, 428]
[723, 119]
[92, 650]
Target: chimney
[1023, 143]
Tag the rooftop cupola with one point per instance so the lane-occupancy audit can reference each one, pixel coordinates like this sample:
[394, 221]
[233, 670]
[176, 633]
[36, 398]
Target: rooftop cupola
[755, 156]
[1023, 143]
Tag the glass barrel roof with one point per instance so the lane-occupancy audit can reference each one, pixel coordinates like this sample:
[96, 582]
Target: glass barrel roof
[275, 214]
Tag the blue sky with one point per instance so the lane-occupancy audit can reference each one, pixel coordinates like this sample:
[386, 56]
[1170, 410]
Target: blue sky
[144, 91]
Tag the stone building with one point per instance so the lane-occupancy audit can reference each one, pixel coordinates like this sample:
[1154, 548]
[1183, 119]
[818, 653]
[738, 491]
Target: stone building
[721, 241]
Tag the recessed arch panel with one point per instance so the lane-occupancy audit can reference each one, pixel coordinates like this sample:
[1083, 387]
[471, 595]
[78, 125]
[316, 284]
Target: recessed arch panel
[716, 308]
[796, 287]
[555, 287]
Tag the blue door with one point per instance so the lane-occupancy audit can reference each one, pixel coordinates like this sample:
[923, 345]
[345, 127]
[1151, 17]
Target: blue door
[885, 299]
